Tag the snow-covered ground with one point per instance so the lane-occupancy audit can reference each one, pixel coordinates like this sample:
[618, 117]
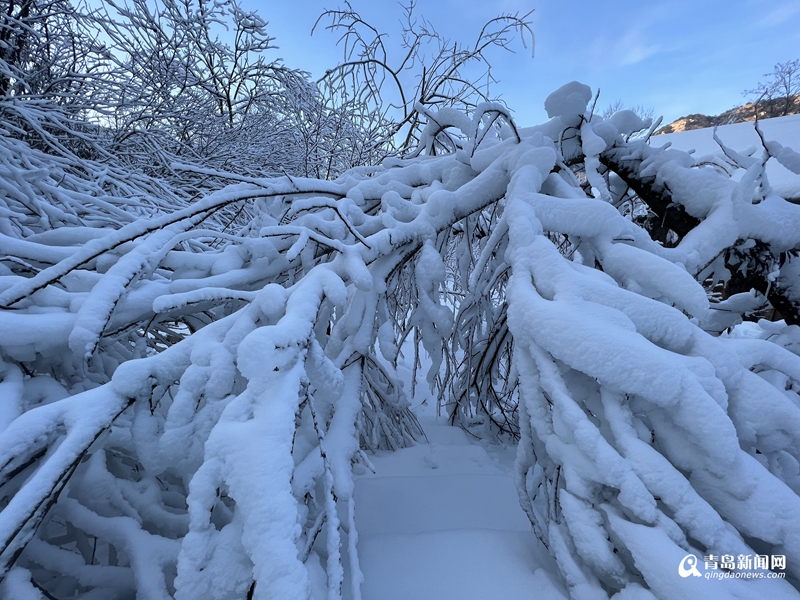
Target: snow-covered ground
[442, 521]
[743, 138]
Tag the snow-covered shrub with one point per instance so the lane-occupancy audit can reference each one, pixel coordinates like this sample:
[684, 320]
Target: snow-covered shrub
[187, 385]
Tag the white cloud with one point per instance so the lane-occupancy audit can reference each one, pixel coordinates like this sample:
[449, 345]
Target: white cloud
[636, 53]
[780, 15]
[631, 48]
[635, 46]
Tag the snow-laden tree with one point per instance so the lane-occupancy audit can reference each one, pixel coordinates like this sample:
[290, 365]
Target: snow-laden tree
[398, 87]
[197, 77]
[151, 83]
[187, 386]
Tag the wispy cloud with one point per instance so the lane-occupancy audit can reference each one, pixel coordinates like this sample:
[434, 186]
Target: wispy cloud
[780, 15]
[632, 47]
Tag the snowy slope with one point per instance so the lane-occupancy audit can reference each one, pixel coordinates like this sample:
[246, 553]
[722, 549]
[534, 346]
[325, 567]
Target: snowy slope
[742, 137]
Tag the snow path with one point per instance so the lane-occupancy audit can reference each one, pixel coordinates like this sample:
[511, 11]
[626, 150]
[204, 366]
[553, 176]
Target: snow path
[442, 521]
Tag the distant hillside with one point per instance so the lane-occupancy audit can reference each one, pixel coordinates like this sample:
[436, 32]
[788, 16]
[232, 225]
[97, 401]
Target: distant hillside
[741, 137]
[739, 114]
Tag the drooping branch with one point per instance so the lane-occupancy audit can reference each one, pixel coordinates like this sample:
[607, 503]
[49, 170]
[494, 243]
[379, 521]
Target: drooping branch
[657, 196]
[751, 272]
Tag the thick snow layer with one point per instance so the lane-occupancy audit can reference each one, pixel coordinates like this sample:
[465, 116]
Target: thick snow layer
[569, 100]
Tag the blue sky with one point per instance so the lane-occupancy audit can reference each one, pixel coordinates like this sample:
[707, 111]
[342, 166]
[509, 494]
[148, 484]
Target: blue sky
[676, 56]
